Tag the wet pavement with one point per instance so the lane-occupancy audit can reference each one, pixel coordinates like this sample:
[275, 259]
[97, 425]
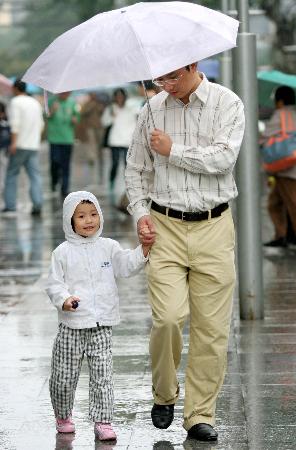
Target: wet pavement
[256, 407]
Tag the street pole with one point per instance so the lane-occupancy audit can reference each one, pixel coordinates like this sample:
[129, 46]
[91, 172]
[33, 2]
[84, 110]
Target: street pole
[248, 175]
[225, 59]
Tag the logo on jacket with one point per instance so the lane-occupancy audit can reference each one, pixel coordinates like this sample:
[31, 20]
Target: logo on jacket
[106, 264]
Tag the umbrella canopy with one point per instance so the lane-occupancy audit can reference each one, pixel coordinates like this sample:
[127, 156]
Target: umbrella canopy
[5, 85]
[139, 42]
[268, 81]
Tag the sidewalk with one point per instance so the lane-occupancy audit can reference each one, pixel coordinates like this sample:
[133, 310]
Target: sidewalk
[256, 408]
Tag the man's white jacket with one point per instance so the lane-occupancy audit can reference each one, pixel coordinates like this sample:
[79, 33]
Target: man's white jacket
[87, 268]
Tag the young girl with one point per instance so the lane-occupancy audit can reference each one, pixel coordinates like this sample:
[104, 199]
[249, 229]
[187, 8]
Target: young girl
[82, 286]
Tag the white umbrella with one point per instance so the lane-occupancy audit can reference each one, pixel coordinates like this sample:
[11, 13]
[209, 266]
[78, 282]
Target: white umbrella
[138, 42]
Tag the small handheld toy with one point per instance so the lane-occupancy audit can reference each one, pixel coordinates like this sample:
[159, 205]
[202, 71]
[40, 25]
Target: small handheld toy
[75, 304]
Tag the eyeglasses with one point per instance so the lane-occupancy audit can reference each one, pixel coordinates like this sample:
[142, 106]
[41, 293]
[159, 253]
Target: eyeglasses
[168, 81]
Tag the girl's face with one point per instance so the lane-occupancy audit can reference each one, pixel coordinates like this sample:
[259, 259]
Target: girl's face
[86, 219]
[119, 99]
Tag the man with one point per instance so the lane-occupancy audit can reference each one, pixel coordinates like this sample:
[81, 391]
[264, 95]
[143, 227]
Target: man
[282, 197]
[63, 116]
[26, 124]
[185, 167]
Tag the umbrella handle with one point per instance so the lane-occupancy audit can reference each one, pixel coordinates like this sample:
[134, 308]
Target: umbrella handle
[45, 97]
[148, 104]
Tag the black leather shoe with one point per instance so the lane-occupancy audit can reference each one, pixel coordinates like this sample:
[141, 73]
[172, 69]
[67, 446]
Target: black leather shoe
[162, 415]
[203, 432]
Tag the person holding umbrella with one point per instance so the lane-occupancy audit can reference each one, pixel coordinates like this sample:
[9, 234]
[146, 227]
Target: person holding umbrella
[183, 165]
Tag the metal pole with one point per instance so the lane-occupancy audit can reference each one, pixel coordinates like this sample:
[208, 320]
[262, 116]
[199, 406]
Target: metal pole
[243, 15]
[248, 177]
[225, 59]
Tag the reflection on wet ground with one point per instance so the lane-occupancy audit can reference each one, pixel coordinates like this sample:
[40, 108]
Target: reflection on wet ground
[256, 408]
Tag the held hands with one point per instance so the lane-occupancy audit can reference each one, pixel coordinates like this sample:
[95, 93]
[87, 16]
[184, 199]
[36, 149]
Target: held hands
[161, 142]
[71, 303]
[146, 233]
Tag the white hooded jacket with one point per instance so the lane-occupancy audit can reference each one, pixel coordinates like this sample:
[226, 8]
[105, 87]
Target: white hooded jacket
[87, 268]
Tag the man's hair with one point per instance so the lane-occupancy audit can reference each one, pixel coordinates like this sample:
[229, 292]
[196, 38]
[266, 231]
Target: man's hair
[286, 94]
[148, 84]
[188, 66]
[20, 85]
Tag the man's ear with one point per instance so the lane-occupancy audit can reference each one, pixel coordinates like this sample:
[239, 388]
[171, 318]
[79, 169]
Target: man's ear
[193, 67]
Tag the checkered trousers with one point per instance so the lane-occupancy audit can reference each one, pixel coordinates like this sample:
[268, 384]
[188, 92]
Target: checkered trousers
[68, 351]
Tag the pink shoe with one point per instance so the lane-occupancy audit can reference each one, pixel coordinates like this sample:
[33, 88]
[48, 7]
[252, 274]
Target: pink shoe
[104, 432]
[65, 425]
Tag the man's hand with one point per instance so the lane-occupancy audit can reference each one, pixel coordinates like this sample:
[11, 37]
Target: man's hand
[146, 231]
[12, 149]
[54, 107]
[69, 303]
[161, 142]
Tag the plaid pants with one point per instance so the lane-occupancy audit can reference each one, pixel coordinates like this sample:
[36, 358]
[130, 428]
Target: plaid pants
[68, 351]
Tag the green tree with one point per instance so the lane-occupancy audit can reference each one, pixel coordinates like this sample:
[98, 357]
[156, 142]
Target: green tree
[85, 9]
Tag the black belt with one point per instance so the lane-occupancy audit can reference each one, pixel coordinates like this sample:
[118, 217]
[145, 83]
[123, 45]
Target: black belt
[190, 216]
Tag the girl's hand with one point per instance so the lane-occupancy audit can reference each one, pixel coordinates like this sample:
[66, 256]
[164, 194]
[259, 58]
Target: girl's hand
[71, 303]
[146, 230]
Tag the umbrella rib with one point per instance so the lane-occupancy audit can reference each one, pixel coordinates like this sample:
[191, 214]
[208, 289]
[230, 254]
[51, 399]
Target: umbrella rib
[148, 65]
[140, 45]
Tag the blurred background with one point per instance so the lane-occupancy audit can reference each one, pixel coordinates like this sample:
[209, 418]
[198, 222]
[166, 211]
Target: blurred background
[28, 26]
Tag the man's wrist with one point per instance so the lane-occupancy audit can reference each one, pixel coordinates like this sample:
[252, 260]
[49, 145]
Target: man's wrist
[140, 213]
[176, 154]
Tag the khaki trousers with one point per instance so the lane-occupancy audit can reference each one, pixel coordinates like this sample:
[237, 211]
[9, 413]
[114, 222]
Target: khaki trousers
[191, 272]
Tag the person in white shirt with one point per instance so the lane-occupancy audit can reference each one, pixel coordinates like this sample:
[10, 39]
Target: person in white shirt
[26, 122]
[183, 166]
[121, 115]
[82, 286]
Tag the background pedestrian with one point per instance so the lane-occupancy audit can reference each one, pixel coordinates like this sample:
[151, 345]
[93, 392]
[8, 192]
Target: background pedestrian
[4, 143]
[121, 114]
[282, 196]
[26, 124]
[63, 117]
[91, 129]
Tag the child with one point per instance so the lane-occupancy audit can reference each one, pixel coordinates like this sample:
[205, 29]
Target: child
[82, 286]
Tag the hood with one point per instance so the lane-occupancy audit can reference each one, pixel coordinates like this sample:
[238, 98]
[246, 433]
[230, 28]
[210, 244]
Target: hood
[70, 203]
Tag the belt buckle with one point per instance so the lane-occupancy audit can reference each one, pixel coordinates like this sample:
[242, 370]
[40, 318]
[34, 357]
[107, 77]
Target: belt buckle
[182, 218]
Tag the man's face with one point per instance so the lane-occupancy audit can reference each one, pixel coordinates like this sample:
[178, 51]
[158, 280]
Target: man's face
[64, 95]
[179, 83]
